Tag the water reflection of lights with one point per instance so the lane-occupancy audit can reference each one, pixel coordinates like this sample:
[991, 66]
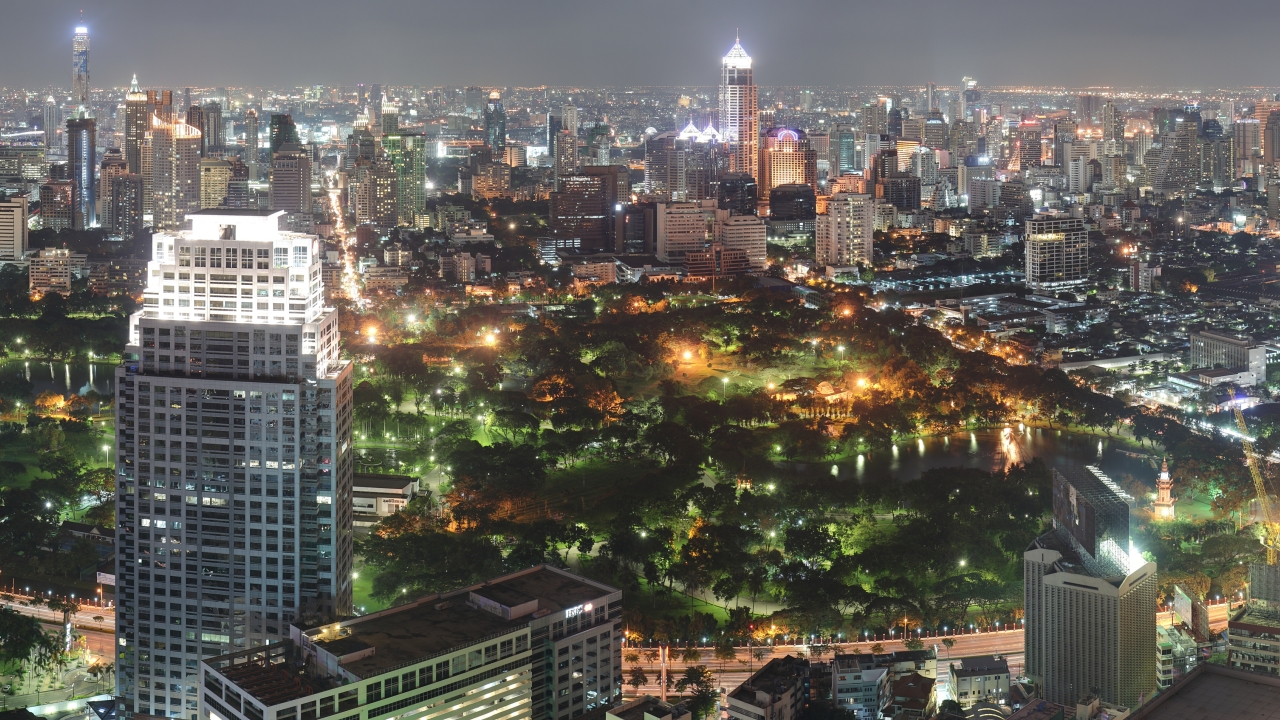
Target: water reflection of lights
[1010, 448]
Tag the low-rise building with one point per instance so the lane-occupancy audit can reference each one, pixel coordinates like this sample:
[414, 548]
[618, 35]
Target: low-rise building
[52, 270]
[1253, 634]
[647, 707]
[381, 277]
[777, 691]
[539, 644]
[979, 678]
[377, 496]
[912, 696]
[862, 683]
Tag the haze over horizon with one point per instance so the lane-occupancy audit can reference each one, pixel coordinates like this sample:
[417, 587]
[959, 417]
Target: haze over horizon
[575, 42]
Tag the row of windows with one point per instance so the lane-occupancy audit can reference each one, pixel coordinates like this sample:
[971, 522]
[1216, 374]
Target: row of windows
[261, 258]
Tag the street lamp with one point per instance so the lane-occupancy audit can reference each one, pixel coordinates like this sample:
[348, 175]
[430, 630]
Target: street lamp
[841, 349]
[726, 386]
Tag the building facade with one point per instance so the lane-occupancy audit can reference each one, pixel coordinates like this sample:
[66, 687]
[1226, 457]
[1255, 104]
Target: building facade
[740, 112]
[1057, 253]
[845, 234]
[541, 644]
[233, 456]
[13, 226]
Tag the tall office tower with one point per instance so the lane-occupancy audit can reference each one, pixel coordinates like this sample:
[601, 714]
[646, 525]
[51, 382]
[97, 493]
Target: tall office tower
[135, 125]
[495, 124]
[931, 97]
[473, 100]
[1088, 107]
[844, 235]
[175, 172]
[52, 125]
[845, 151]
[124, 214]
[894, 123]
[569, 120]
[80, 66]
[1217, 160]
[682, 166]
[251, 142]
[13, 226]
[743, 233]
[1176, 168]
[935, 132]
[739, 113]
[1064, 134]
[1090, 598]
[555, 123]
[738, 193]
[1112, 122]
[1057, 252]
[875, 117]
[254, 480]
[291, 180]
[375, 106]
[195, 118]
[282, 130]
[589, 206]
[82, 159]
[113, 166]
[408, 154]
[215, 131]
[787, 158]
[160, 102]
[215, 176]
[186, 98]
[1029, 152]
[565, 155]
[970, 96]
[1226, 113]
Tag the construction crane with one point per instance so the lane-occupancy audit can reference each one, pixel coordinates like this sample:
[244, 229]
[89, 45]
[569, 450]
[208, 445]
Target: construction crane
[1270, 529]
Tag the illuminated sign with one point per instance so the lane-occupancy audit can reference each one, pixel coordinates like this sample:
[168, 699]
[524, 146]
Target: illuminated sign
[577, 610]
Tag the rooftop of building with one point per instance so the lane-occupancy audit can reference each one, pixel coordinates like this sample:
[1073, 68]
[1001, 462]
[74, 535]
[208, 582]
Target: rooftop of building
[440, 623]
[391, 482]
[1257, 616]
[647, 705]
[865, 660]
[1214, 692]
[774, 679]
[913, 687]
[1040, 710]
[981, 665]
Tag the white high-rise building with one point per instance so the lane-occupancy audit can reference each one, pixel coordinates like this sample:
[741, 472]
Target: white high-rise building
[1090, 598]
[1057, 252]
[845, 234]
[681, 228]
[744, 232]
[233, 456]
[740, 112]
[13, 226]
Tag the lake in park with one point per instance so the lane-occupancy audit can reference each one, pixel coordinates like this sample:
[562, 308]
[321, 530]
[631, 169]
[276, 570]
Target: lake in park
[66, 378]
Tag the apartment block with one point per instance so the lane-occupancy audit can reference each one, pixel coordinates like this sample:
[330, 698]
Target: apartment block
[777, 691]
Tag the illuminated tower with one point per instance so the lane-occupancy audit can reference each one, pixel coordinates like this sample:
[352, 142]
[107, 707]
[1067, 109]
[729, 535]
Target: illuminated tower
[739, 112]
[175, 171]
[252, 358]
[135, 125]
[1164, 493]
[80, 66]
[495, 124]
[82, 144]
[251, 142]
[52, 123]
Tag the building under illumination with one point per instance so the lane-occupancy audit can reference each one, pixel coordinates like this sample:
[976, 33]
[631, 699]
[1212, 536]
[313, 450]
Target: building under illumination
[539, 644]
[233, 456]
[1057, 250]
[80, 67]
[788, 158]
[1090, 598]
[740, 112]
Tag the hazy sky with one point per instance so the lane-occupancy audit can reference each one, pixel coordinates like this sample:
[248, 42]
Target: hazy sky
[176, 43]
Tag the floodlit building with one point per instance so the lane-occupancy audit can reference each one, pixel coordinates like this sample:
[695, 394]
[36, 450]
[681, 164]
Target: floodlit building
[845, 234]
[740, 112]
[979, 678]
[1218, 349]
[541, 644]
[233, 454]
[1090, 598]
[1057, 253]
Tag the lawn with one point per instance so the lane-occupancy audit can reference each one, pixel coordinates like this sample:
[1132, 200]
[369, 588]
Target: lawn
[87, 446]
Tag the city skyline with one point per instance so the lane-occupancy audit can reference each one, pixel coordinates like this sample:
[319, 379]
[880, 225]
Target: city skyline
[661, 47]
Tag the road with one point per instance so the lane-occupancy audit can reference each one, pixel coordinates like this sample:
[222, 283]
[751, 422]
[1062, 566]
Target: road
[83, 620]
[1007, 643]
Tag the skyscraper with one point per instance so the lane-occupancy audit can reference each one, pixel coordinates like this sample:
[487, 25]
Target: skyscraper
[843, 236]
[80, 66]
[251, 142]
[135, 125]
[739, 113]
[52, 124]
[82, 151]
[113, 166]
[1057, 251]
[1090, 598]
[283, 130]
[1112, 122]
[495, 124]
[588, 206]
[291, 180]
[13, 226]
[125, 212]
[175, 172]
[195, 118]
[215, 132]
[786, 159]
[408, 154]
[256, 519]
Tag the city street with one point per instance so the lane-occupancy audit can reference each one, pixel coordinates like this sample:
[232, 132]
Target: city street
[1007, 643]
[83, 620]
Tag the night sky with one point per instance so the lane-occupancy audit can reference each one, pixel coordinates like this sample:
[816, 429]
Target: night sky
[175, 43]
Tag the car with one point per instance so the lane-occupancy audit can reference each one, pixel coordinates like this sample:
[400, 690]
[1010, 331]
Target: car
[7, 689]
